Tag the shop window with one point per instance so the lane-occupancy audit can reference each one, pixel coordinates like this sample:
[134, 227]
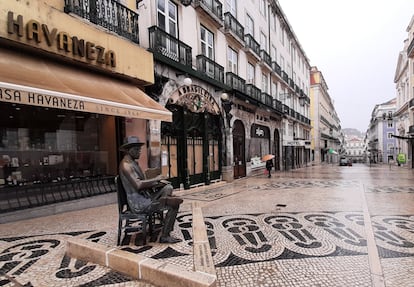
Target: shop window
[47, 145]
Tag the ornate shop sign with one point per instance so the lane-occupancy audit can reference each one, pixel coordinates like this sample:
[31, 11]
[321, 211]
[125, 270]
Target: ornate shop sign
[259, 131]
[196, 99]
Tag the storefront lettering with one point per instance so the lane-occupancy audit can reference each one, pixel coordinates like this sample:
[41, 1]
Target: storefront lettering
[196, 98]
[54, 102]
[24, 97]
[39, 32]
[10, 95]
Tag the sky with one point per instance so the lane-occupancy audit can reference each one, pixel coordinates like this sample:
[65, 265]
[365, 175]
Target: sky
[355, 44]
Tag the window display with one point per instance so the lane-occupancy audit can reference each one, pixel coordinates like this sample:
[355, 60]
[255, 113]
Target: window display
[48, 145]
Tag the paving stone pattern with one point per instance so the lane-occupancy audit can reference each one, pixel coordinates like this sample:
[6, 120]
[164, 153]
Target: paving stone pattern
[279, 248]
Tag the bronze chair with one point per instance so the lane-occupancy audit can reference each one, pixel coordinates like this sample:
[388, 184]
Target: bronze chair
[127, 218]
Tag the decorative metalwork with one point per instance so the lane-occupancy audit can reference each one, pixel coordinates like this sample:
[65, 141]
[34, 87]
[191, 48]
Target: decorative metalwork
[109, 14]
[210, 68]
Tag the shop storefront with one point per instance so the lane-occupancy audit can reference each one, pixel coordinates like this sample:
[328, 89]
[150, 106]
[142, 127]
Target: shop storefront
[192, 144]
[67, 101]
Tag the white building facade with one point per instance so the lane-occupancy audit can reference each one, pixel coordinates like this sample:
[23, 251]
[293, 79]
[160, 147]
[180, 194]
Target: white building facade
[404, 81]
[237, 82]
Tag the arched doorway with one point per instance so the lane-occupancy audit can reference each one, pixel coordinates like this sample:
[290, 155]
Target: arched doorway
[277, 149]
[191, 144]
[239, 159]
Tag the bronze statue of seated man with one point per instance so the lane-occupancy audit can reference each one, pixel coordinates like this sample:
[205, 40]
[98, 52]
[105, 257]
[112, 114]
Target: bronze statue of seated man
[147, 195]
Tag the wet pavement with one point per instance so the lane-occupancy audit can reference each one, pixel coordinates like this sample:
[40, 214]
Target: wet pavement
[315, 226]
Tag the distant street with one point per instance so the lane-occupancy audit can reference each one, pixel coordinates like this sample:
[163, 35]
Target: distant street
[316, 226]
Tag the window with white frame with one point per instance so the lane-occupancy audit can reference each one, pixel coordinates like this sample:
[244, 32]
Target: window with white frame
[273, 19]
[390, 124]
[207, 48]
[273, 53]
[262, 7]
[265, 83]
[167, 16]
[167, 21]
[249, 29]
[282, 36]
[282, 62]
[389, 135]
[263, 41]
[231, 7]
[274, 90]
[232, 60]
[250, 73]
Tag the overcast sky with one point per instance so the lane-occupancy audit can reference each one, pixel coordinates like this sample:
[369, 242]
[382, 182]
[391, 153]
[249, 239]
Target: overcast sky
[355, 44]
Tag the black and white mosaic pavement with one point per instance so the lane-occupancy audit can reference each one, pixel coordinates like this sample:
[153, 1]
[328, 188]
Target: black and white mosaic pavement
[235, 240]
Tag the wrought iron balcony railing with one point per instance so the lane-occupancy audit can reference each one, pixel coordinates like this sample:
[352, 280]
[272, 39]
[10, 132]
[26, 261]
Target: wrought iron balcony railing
[266, 57]
[411, 130]
[253, 92]
[235, 82]
[109, 14]
[162, 43]
[410, 49]
[266, 99]
[286, 109]
[231, 24]
[210, 68]
[285, 76]
[251, 44]
[213, 8]
[411, 103]
[277, 105]
[291, 83]
[276, 68]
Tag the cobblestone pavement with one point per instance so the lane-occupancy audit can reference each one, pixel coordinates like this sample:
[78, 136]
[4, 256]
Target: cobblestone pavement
[308, 227]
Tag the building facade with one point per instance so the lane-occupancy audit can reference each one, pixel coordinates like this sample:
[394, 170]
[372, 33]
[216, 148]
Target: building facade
[327, 137]
[354, 149]
[380, 135]
[404, 81]
[72, 80]
[236, 80]
[210, 86]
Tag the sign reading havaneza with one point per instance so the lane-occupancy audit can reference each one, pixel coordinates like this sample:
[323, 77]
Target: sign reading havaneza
[51, 99]
[34, 32]
[36, 99]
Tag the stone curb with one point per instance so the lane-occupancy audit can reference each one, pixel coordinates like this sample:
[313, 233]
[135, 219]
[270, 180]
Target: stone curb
[151, 270]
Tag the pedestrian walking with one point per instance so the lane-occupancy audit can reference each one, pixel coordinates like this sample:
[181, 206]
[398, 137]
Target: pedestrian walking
[269, 165]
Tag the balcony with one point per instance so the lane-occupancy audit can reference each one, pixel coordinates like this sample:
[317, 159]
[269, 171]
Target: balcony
[285, 76]
[108, 14]
[291, 83]
[163, 45]
[276, 68]
[235, 82]
[212, 9]
[266, 99]
[233, 28]
[411, 130]
[410, 49]
[253, 92]
[286, 109]
[277, 105]
[251, 46]
[266, 59]
[210, 68]
[411, 103]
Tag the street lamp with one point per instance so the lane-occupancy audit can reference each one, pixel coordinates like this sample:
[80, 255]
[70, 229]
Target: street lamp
[226, 104]
[186, 2]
